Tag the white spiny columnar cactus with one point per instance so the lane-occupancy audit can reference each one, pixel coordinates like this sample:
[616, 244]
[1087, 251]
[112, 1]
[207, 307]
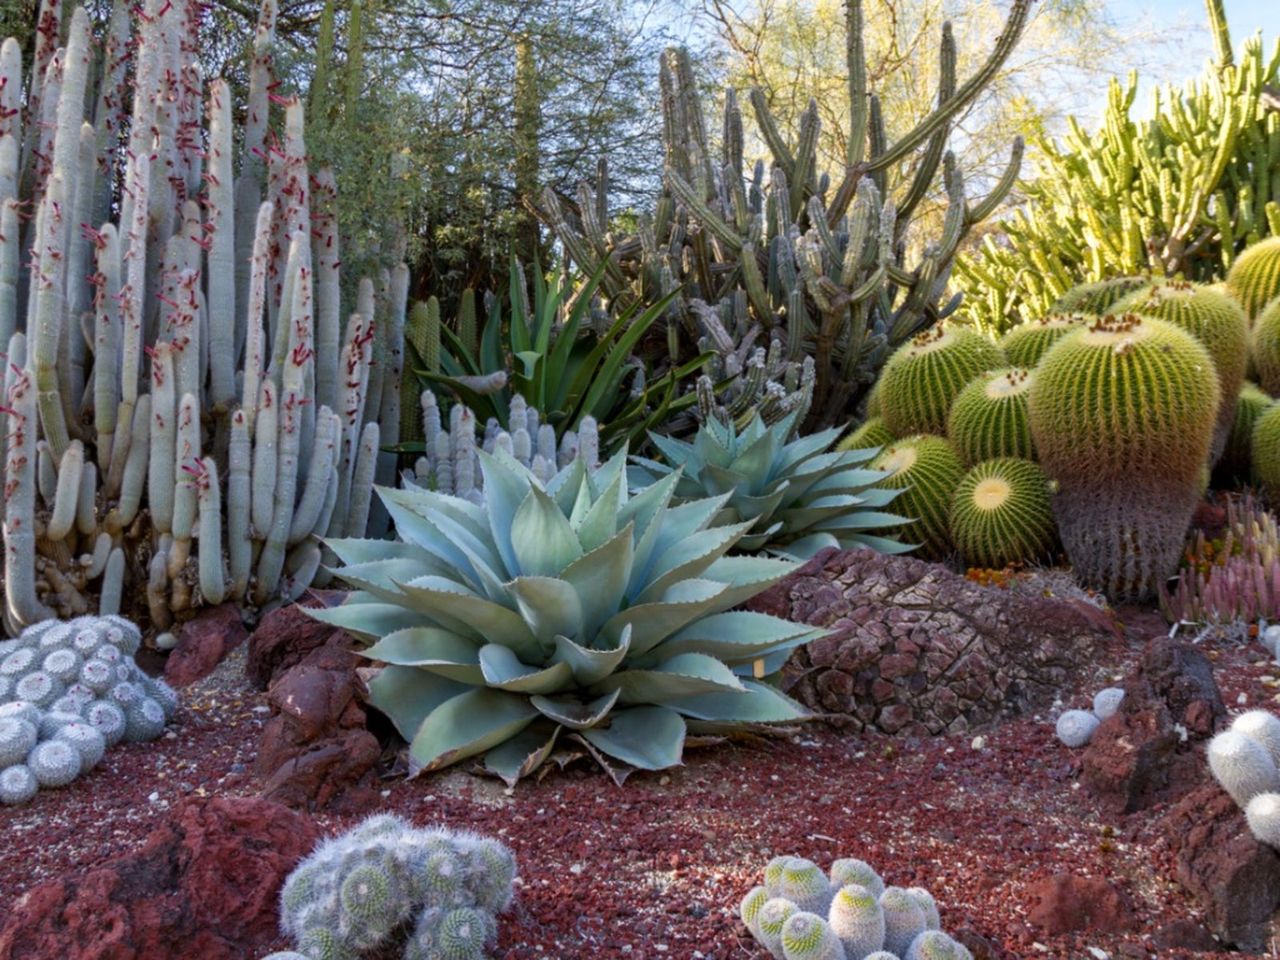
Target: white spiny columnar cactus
[190, 339]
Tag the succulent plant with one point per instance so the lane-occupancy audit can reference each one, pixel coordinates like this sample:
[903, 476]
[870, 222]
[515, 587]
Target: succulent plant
[1263, 727]
[771, 920]
[749, 909]
[872, 433]
[17, 784]
[857, 919]
[904, 920]
[803, 883]
[988, 417]
[1214, 319]
[807, 936]
[1097, 298]
[1026, 343]
[573, 610]
[1075, 728]
[1243, 766]
[1262, 813]
[1001, 514]
[799, 496]
[1107, 701]
[927, 470]
[1254, 278]
[1237, 458]
[927, 373]
[936, 945]
[1265, 351]
[1266, 451]
[1122, 415]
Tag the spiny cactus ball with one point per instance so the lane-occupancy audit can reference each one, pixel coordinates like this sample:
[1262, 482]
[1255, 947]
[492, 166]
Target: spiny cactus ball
[1262, 726]
[1218, 322]
[1262, 813]
[847, 871]
[17, 784]
[1266, 347]
[807, 936]
[857, 919]
[873, 433]
[55, 763]
[1266, 451]
[749, 909]
[924, 376]
[1237, 457]
[772, 918]
[1122, 414]
[928, 906]
[17, 737]
[1243, 766]
[1026, 343]
[927, 470]
[1107, 701]
[804, 884]
[989, 417]
[903, 919]
[1098, 297]
[1254, 278]
[1075, 728]
[1001, 514]
[936, 945]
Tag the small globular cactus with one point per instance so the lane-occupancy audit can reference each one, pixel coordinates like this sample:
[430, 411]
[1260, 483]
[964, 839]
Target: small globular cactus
[1243, 766]
[1106, 702]
[806, 936]
[857, 919]
[1075, 728]
[1263, 816]
[936, 945]
[903, 919]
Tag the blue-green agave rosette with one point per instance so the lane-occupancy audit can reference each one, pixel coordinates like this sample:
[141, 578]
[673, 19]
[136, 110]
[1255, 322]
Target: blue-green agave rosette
[571, 611]
[796, 497]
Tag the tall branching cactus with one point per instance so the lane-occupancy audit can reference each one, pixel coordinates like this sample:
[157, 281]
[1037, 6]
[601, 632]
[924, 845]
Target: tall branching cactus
[791, 261]
[192, 342]
[1182, 193]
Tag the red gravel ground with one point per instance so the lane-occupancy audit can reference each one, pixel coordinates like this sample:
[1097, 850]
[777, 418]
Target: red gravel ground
[656, 868]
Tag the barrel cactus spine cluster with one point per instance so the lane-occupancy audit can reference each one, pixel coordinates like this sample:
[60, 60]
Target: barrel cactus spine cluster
[185, 414]
[385, 883]
[68, 692]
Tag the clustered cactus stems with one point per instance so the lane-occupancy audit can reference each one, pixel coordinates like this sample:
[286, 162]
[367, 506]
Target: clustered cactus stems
[847, 913]
[571, 610]
[1180, 193]
[189, 343]
[1234, 581]
[384, 884]
[1245, 760]
[1122, 415]
[68, 691]
[1001, 514]
[451, 463]
[802, 496]
[785, 255]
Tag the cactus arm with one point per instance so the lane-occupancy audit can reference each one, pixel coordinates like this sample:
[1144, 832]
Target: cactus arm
[185, 486]
[300, 569]
[10, 246]
[49, 306]
[328, 292]
[362, 481]
[164, 415]
[22, 605]
[134, 476]
[220, 269]
[239, 496]
[112, 584]
[213, 584]
[264, 460]
[254, 343]
[67, 494]
[316, 487]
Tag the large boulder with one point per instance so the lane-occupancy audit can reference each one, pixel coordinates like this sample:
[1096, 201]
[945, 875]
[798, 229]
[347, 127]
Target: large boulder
[204, 642]
[1145, 750]
[1065, 903]
[287, 634]
[916, 649]
[1234, 878]
[205, 884]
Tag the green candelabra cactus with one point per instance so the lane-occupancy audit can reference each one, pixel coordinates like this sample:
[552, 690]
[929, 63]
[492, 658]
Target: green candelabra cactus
[183, 411]
[789, 261]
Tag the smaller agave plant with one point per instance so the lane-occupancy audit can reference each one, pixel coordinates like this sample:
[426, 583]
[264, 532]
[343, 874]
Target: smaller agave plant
[796, 496]
[571, 614]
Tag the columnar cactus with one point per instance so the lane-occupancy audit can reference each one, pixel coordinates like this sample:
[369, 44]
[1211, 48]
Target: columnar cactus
[356, 893]
[119, 442]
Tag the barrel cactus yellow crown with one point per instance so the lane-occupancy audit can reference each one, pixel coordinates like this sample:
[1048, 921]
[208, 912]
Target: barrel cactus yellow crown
[927, 470]
[927, 372]
[989, 417]
[1001, 514]
[1096, 298]
[1122, 414]
[1254, 279]
[1266, 348]
[1026, 343]
[1218, 322]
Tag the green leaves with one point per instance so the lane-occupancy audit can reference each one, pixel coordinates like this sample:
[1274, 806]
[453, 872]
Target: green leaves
[575, 614]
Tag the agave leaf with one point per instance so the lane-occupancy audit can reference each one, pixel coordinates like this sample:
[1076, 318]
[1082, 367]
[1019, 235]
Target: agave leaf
[715, 480]
[806, 548]
[439, 651]
[351, 550]
[599, 579]
[543, 540]
[760, 703]
[424, 532]
[802, 448]
[737, 636]
[647, 504]
[425, 502]
[600, 522]
[407, 695]
[573, 713]
[760, 508]
[879, 544]
[865, 520]
[503, 670]
[651, 623]
[505, 488]
[684, 675]
[484, 563]
[651, 738]
[581, 504]
[592, 664]
[847, 481]
[368, 621]
[675, 451]
[564, 485]
[747, 576]
[469, 614]
[379, 577]
[549, 605]
[470, 723]
[524, 753]
[877, 496]
[602, 478]
[690, 558]
[755, 462]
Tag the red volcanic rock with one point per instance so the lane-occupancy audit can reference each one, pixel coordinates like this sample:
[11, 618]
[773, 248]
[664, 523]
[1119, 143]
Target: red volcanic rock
[1138, 755]
[1185, 935]
[203, 642]
[205, 884]
[1235, 878]
[916, 649]
[315, 746]
[1065, 903]
[287, 634]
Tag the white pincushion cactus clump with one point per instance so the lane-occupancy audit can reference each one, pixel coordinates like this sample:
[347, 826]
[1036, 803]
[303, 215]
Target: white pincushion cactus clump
[864, 919]
[1263, 816]
[76, 691]
[1245, 760]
